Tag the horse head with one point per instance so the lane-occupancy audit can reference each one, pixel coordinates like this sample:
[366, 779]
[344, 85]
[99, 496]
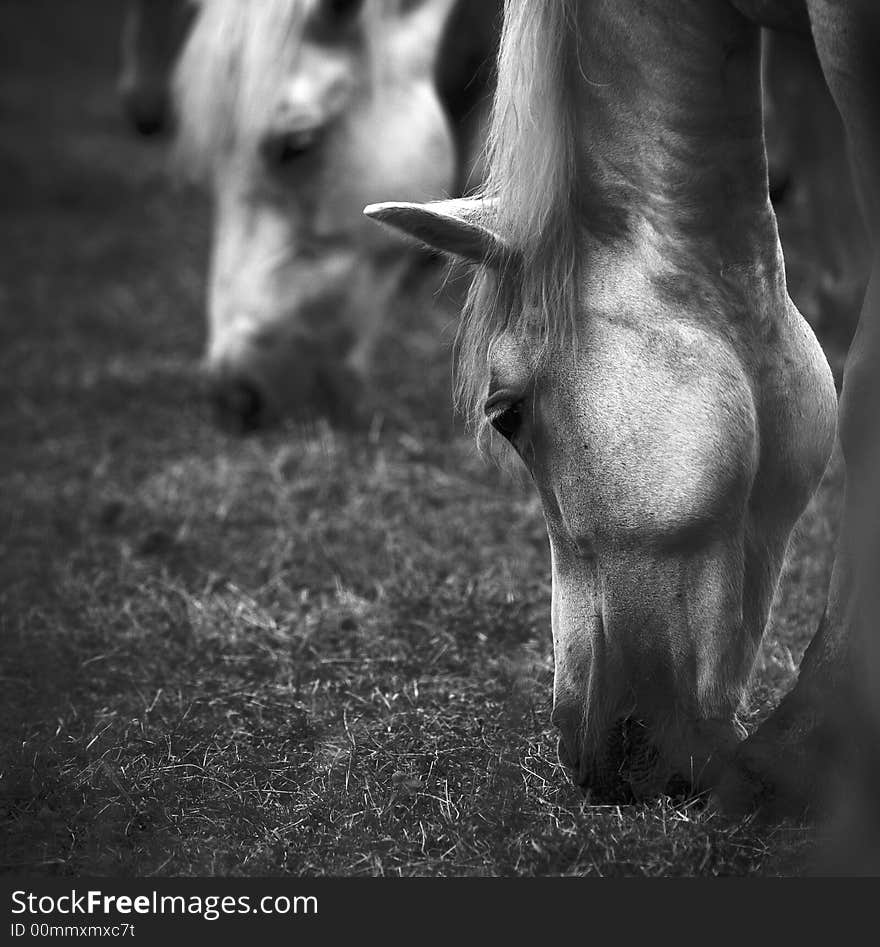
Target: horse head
[297, 112]
[629, 335]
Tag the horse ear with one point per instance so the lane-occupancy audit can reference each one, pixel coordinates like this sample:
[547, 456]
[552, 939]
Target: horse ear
[457, 227]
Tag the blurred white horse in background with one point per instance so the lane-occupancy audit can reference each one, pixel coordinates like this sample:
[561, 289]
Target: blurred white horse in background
[294, 113]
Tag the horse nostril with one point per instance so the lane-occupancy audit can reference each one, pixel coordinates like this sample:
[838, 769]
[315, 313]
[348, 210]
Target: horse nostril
[238, 406]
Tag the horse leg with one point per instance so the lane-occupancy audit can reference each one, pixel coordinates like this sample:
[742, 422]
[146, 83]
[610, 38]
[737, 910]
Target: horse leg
[831, 720]
[823, 741]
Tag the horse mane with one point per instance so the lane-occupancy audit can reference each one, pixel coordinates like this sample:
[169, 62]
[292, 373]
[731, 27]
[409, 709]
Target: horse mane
[236, 58]
[534, 162]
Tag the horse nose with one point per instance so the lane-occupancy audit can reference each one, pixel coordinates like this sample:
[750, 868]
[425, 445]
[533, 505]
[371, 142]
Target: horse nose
[239, 405]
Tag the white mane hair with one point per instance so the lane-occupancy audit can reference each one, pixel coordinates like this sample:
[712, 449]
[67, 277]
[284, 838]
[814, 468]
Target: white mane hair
[534, 167]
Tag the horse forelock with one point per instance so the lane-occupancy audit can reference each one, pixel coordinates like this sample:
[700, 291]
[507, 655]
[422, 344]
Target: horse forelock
[534, 173]
[236, 59]
[237, 52]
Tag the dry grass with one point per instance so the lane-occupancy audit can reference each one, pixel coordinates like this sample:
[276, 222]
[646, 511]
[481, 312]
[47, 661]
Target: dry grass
[317, 652]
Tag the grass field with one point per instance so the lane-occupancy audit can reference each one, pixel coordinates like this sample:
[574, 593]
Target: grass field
[314, 651]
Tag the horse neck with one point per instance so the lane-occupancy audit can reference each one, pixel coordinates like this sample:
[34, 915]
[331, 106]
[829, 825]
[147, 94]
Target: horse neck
[673, 133]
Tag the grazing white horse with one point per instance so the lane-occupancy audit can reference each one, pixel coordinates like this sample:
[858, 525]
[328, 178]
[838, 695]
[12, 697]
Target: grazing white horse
[296, 113]
[630, 334]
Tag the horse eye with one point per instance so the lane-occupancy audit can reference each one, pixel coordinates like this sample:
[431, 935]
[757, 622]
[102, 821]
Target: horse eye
[343, 9]
[507, 421]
